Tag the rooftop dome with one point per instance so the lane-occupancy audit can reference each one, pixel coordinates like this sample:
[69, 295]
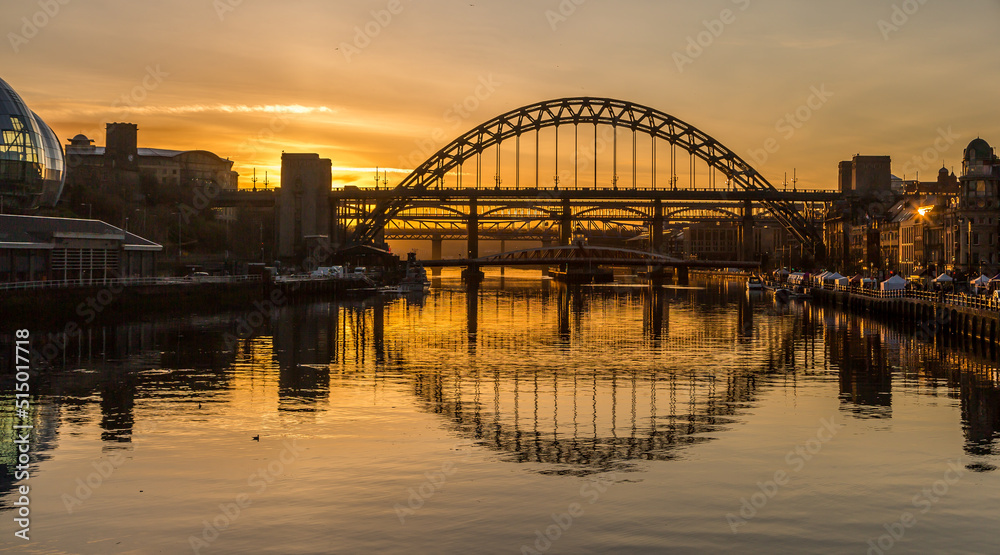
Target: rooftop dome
[31, 158]
[978, 149]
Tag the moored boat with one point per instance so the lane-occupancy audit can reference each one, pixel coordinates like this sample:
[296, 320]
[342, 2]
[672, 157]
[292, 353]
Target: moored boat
[415, 278]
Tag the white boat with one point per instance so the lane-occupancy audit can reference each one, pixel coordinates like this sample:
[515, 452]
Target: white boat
[416, 277]
[755, 284]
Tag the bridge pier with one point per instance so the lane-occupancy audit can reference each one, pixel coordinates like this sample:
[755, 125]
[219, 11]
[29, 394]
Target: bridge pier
[682, 275]
[473, 230]
[472, 274]
[436, 247]
[303, 207]
[566, 223]
[656, 228]
[746, 233]
[503, 248]
[545, 245]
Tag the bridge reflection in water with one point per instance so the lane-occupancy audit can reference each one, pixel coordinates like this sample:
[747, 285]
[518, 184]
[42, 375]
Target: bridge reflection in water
[582, 410]
[584, 379]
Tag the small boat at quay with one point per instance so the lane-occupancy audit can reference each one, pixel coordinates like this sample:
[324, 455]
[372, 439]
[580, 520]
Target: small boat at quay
[416, 277]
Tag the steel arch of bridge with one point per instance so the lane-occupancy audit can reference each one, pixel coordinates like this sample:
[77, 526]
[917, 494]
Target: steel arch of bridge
[701, 210]
[585, 110]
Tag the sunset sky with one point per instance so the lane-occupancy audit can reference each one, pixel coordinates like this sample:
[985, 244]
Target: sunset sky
[366, 87]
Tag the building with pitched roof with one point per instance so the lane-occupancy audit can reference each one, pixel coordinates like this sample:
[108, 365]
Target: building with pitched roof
[34, 248]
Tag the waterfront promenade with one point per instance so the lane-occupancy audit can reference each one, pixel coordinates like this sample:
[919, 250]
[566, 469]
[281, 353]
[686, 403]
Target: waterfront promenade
[932, 313]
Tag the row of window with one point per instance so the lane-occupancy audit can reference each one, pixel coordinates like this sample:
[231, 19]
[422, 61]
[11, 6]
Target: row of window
[73, 260]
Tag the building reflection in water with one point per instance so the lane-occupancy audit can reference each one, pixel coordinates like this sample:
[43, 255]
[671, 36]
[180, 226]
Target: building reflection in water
[304, 344]
[871, 356]
[865, 370]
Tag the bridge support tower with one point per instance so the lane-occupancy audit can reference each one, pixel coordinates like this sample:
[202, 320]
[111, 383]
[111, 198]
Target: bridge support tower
[473, 274]
[303, 208]
[473, 230]
[656, 240]
[656, 228]
[566, 223]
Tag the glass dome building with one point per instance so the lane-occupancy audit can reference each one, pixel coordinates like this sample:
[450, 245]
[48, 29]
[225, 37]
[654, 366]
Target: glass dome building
[32, 165]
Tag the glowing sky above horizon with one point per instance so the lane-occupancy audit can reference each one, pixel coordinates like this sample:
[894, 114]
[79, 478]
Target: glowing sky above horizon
[367, 88]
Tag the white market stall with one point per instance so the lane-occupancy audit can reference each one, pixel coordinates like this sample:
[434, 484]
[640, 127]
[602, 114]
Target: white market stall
[895, 283]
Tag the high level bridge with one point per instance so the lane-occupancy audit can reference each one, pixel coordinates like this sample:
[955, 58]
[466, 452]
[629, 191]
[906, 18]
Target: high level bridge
[617, 169]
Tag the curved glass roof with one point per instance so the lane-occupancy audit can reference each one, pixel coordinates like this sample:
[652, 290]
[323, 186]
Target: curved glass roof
[32, 167]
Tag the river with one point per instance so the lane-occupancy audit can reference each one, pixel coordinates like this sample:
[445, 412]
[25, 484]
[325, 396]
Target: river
[521, 417]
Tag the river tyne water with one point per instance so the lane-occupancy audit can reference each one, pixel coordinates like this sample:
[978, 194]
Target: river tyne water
[525, 418]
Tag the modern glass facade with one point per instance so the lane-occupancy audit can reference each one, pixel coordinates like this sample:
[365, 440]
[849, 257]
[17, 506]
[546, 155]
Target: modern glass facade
[32, 166]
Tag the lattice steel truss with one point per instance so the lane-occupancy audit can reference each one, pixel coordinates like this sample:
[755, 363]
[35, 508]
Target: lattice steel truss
[595, 111]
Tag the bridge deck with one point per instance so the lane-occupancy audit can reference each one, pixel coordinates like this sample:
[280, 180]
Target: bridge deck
[267, 198]
[465, 262]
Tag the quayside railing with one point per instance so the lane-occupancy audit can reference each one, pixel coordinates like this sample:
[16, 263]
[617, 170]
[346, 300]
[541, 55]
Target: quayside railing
[951, 299]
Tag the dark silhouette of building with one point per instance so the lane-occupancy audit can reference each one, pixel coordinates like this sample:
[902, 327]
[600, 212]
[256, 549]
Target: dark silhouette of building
[303, 206]
[122, 164]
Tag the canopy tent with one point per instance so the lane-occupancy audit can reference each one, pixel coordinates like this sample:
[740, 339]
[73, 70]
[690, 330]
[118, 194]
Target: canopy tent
[944, 278]
[835, 278]
[981, 281]
[782, 272]
[895, 283]
[869, 282]
[856, 280]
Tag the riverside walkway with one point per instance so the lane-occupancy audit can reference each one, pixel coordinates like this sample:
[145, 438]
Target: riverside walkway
[932, 313]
